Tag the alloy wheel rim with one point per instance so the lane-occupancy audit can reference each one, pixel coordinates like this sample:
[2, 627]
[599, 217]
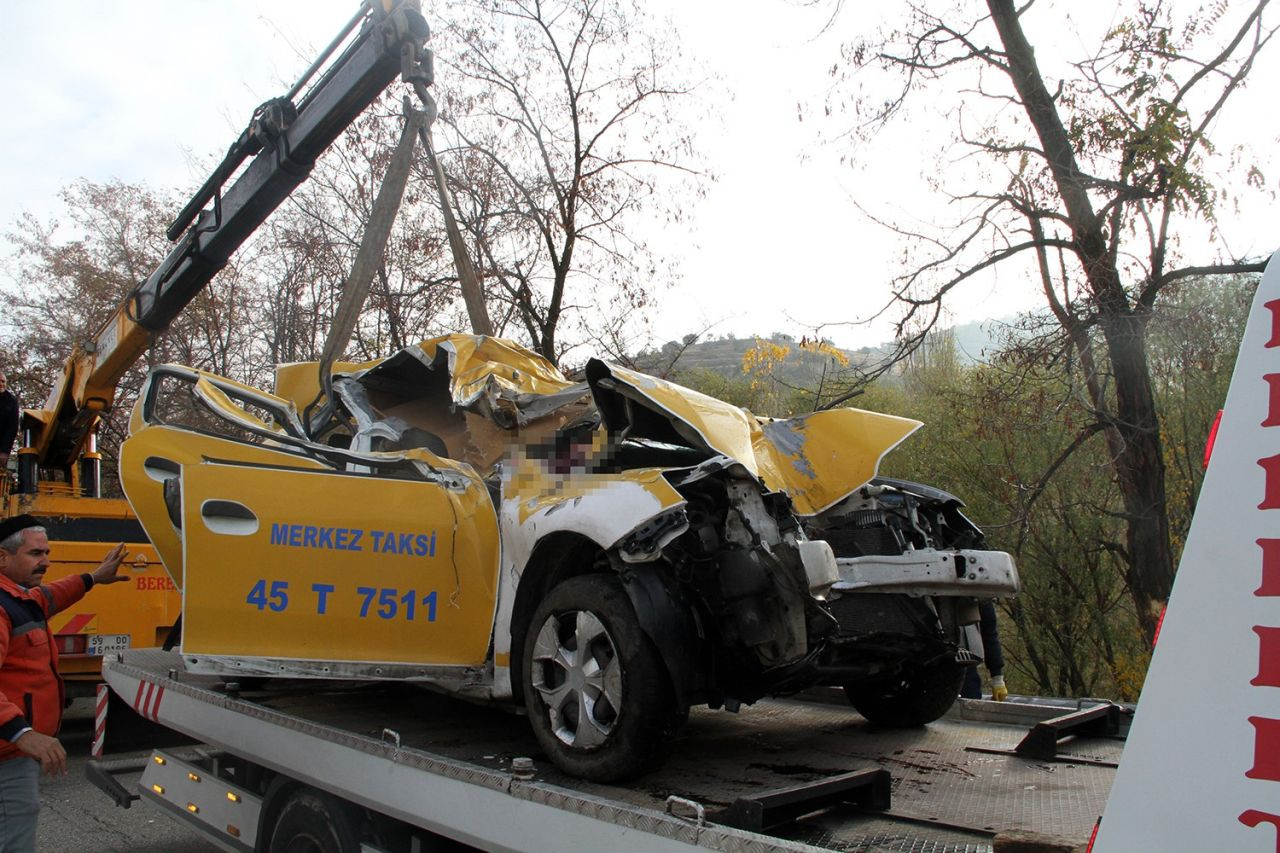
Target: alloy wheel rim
[577, 673]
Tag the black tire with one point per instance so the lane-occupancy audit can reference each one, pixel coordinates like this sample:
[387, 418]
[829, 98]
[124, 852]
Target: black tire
[607, 716]
[914, 697]
[314, 822]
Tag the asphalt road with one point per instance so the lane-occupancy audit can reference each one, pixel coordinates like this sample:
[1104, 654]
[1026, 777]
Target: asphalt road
[75, 817]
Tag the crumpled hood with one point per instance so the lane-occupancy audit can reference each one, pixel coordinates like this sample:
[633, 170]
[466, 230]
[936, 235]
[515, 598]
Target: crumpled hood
[817, 459]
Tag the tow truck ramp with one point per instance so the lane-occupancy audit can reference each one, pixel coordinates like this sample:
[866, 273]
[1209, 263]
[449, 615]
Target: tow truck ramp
[780, 775]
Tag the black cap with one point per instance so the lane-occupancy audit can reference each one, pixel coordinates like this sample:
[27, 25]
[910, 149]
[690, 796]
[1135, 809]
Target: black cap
[10, 526]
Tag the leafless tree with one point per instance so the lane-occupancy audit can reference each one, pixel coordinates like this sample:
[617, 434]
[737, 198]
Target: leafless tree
[70, 275]
[1086, 180]
[563, 126]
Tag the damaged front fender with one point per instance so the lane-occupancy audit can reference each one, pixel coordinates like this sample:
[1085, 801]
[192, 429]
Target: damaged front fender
[817, 459]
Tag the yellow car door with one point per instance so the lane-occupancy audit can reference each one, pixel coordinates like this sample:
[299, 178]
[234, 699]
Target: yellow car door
[357, 574]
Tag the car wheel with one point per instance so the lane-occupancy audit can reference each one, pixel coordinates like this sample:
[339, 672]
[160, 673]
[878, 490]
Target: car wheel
[911, 698]
[598, 696]
[313, 822]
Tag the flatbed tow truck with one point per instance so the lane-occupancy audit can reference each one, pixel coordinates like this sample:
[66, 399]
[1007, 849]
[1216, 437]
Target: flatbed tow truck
[297, 767]
[420, 771]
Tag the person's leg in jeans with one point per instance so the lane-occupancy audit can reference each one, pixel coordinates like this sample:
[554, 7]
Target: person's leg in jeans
[971, 686]
[19, 805]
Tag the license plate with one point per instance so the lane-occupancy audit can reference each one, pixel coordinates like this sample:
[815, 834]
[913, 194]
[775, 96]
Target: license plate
[107, 644]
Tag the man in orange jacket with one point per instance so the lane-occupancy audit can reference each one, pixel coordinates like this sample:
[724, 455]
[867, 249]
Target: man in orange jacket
[31, 695]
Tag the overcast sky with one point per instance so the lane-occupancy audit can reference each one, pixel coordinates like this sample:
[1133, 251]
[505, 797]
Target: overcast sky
[139, 89]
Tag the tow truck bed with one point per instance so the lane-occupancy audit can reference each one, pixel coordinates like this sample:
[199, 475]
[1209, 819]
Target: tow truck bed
[445, 766]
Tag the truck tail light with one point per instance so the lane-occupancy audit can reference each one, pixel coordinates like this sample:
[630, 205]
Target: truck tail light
[71, 644]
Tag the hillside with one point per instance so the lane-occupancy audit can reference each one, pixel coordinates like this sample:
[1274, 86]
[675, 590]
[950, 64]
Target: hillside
[724, 355]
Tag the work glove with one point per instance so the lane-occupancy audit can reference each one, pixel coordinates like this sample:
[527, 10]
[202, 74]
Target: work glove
[998, 691]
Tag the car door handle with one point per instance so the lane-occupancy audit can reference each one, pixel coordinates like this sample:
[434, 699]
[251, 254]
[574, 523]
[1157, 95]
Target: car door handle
[231, 518]
[160, 469]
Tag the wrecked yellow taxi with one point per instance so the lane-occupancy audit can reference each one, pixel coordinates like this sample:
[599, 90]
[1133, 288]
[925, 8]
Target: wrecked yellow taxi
[605, 553]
